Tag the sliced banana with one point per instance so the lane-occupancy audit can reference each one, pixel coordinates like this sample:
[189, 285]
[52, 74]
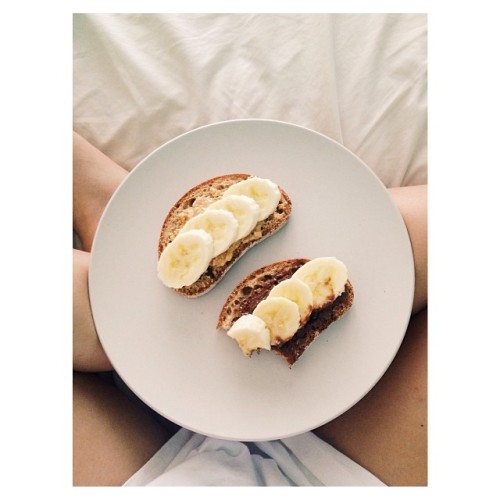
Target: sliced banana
[296, 291]
[281, 316]
[326, 276]
[251, 333]
[266, 193]
[221, 225]
[244, 209]
[185, 259]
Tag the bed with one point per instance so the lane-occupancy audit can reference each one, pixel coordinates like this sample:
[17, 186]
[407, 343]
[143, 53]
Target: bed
[360, 79]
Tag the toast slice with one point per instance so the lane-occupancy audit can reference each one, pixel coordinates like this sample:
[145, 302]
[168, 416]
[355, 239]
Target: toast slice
[193, 203]
[257, 286]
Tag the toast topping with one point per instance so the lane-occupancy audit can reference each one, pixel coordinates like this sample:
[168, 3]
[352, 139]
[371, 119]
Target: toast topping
[185, 259]
[233, 218]
[296, 291]
[251, 333]
[265, 192]
[281, 317]
[221, 225]
[243, 208]
[326, 277]
[290, 303]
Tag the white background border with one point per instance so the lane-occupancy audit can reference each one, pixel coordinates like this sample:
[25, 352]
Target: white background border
[464, 272]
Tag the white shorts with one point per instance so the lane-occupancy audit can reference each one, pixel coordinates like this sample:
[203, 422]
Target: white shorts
[190, 459]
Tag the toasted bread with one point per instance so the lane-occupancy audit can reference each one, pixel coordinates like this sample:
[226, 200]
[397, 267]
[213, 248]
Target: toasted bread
[257, 286]
[193, 203]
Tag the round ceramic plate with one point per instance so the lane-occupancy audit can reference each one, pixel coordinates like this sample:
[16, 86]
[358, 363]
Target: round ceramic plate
[166, 347]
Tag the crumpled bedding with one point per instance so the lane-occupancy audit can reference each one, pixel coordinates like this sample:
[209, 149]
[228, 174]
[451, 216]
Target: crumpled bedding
[360, 79]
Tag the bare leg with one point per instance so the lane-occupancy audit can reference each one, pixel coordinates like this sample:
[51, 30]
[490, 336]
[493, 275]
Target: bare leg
[88, 354]
[386, 432]
[112, 437]
[412, 203]
[95, 179]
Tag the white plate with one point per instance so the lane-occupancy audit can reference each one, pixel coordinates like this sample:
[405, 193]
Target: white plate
[166, 348]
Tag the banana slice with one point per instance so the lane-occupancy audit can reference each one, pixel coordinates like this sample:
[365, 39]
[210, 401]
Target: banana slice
[251, 333]
[244, 209]
[296, 291]
[281, 317]
[221, 225]
[185, 259]
[326, 276]
[266, 193]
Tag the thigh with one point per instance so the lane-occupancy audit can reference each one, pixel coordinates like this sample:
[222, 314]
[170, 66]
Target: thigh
[88, 354]
[112, 437]
[386, 432]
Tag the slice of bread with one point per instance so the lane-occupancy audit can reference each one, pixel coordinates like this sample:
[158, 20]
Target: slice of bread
[257, 286]
[195, 201]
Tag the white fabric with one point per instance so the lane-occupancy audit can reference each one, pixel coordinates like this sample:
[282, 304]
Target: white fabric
[361, 79]
[190, 459]
[140, 80]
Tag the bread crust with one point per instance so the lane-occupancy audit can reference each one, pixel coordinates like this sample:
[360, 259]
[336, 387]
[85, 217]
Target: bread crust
[193, 202]
[257, 286]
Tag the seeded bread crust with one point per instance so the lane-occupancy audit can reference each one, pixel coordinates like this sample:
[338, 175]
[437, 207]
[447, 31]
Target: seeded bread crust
[257, 286]
[193, 203]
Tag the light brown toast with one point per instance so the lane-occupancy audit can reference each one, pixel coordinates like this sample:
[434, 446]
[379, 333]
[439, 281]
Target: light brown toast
[193, 203]
[257, 286]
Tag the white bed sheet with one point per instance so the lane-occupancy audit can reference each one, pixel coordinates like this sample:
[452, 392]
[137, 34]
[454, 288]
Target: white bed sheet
[361, 79]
